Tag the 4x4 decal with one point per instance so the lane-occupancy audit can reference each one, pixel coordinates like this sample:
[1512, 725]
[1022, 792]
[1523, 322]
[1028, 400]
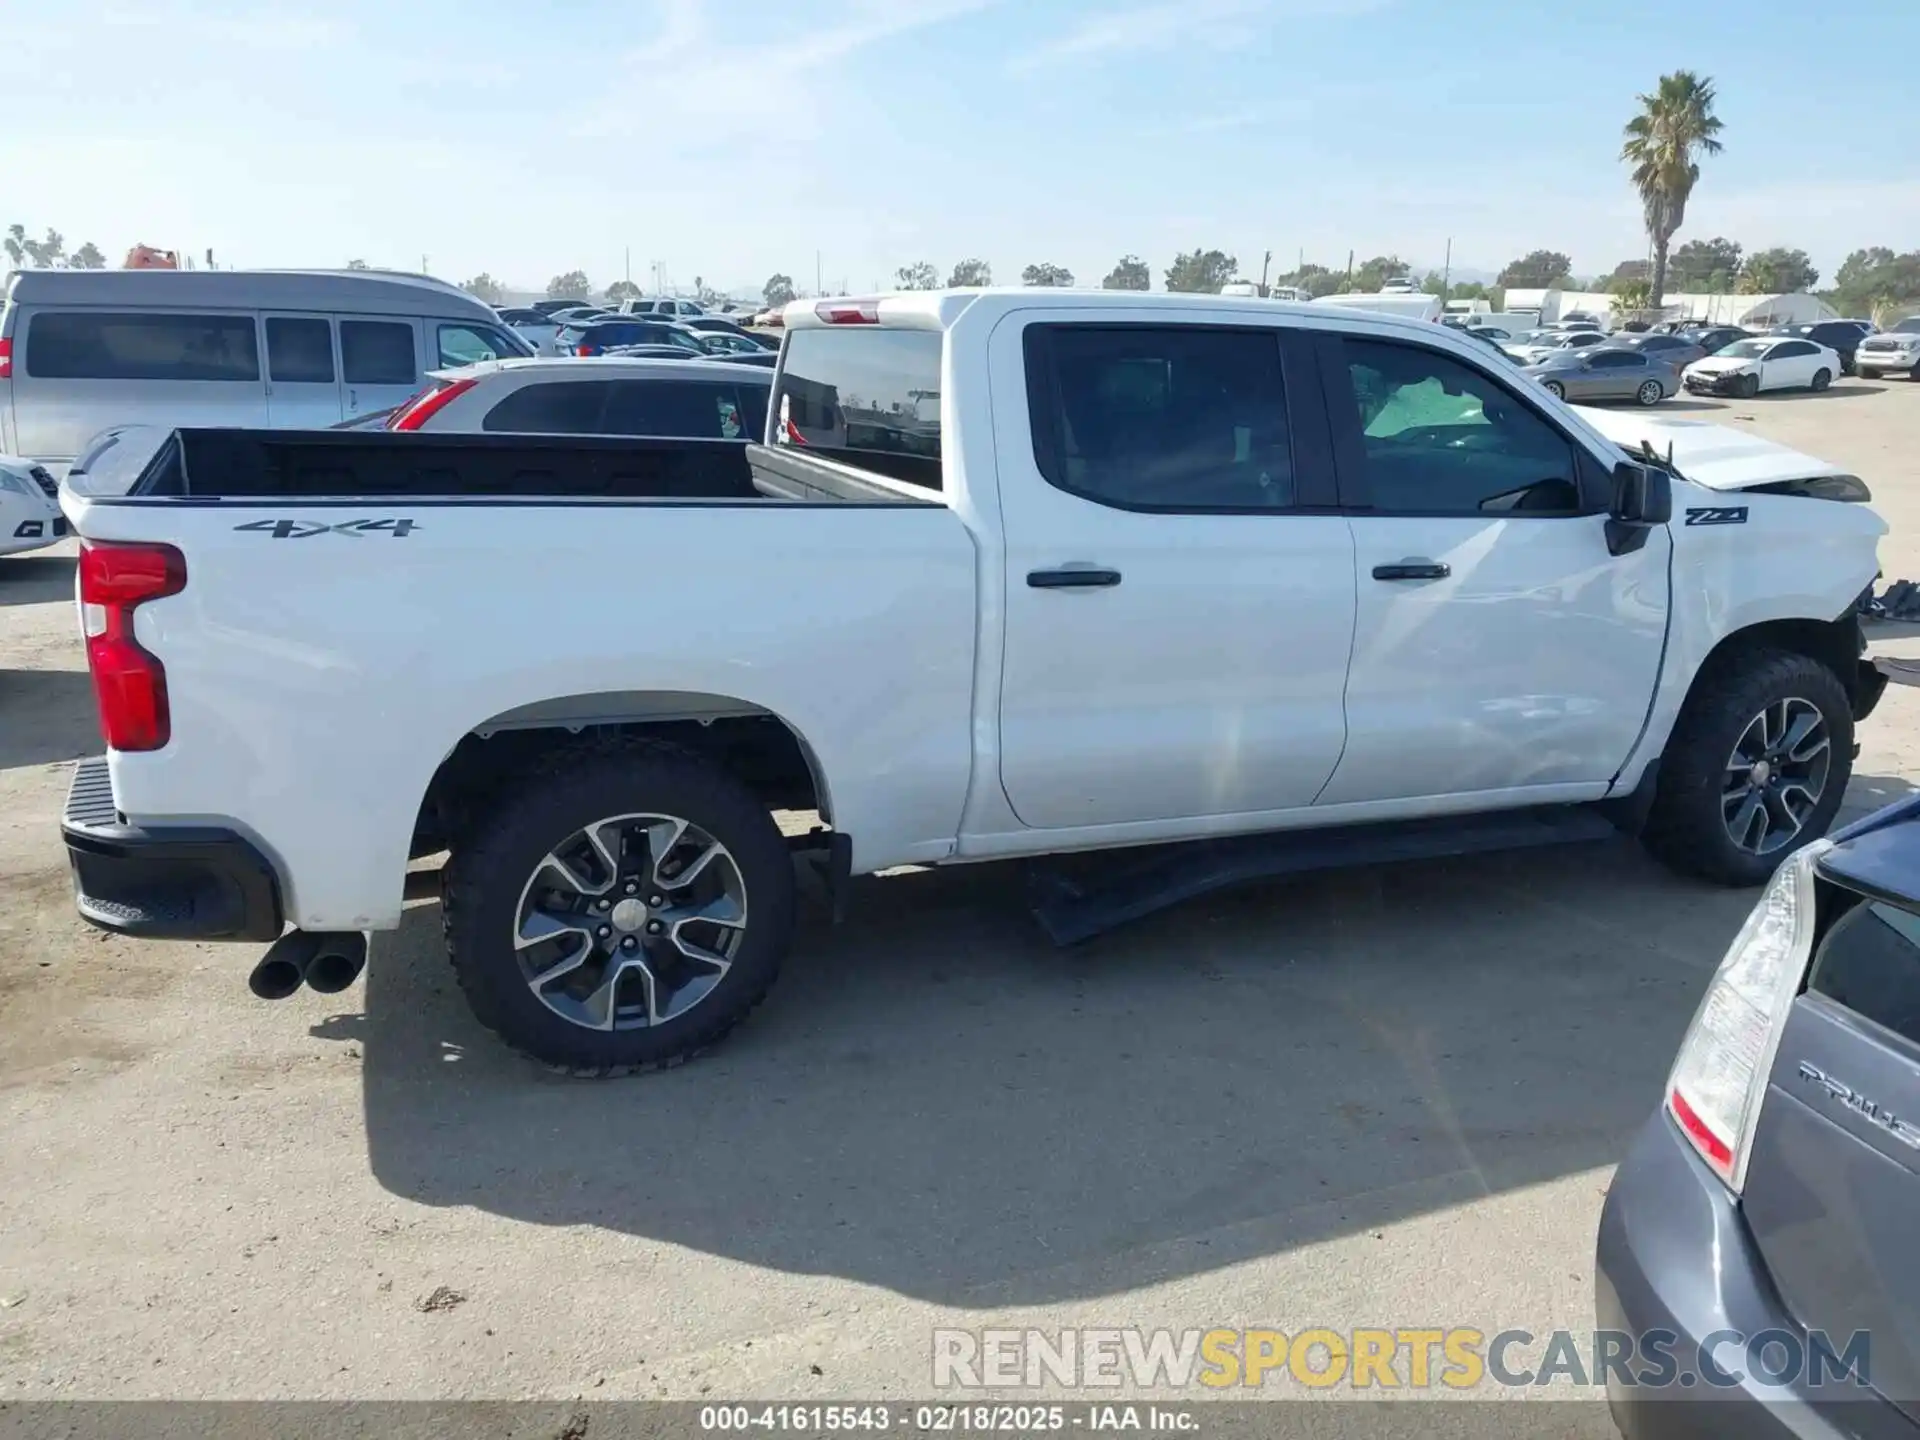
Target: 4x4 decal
[307, 529]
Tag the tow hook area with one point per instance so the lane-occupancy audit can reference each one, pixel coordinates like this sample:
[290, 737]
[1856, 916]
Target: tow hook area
[327, 961]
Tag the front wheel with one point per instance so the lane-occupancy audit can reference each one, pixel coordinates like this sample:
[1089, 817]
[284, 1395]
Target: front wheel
[1749, 386]
[1555, 389]
[1822, 378]
[1755, 768]
[621, 911]
[1649, 393]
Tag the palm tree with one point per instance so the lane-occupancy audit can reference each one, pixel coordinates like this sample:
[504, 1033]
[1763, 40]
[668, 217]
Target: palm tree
[1676, 125]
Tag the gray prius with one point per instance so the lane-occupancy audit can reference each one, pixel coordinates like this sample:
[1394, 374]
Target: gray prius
[1760, 1246]
[1606, 373]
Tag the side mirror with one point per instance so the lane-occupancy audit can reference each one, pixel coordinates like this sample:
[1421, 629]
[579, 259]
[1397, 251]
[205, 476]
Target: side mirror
[1642, 499]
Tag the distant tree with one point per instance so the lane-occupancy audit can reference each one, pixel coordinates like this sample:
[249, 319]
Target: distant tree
[1436, 285]
[88, 257]
[1704, 266]
[1046, 274]
[970, 274]
[918, 276]
[1130, 274]
[705, 293]
[1201, 272]
[1369, 276]
[1876, 281]
[1778, 271]
[1626, 272]
[357, 265]
[47, 254]
[1631, 295]
[484, 288]
[1535, 270]
[778, 291]
[1316, 280]
[622, 290]
[1664, 143]
[573, 285]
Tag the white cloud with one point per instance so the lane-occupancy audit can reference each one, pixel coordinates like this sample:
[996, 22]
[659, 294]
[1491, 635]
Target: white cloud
[1163, 25]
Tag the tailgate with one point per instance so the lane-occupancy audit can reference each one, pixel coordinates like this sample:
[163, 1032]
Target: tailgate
[1833, 1188]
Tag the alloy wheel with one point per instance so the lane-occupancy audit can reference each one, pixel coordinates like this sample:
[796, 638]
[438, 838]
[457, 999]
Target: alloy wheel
[1776, 776]
[630, 922]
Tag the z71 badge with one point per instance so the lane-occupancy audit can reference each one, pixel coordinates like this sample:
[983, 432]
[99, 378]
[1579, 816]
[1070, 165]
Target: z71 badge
[307, 529]
[1717, 515]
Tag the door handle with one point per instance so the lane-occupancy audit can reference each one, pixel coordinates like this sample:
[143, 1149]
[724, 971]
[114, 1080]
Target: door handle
[1413, 569]
[1084, 577]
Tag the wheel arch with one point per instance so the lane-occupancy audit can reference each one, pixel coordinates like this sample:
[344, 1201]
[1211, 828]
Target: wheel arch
[762, 748]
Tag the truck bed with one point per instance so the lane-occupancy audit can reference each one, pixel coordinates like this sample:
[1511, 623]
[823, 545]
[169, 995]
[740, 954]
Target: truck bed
[328, 464]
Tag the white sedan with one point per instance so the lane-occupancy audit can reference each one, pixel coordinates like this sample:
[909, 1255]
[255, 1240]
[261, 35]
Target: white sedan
[29, 512]
[1766, 362]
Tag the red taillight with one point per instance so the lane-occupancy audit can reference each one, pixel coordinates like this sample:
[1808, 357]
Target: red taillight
[129, 683]
[849, 312]
[6, 359]
[428, 403]
[1712, 1148]
[583, 348]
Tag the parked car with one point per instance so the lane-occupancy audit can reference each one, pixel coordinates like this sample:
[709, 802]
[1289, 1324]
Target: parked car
[564, 302]
[29, 506]
[618, 895]
[1715, 338]
[596, 336]
[1606, 372]
[624, 395]
[1580, 320]
[665, 305]
[721, 325]
[83, 350]
[656, 352]
[1894, 349]
[728, 342]
[764, 359]
[1772, 1192]
[1532, 352]
[1843, 337]
[1746, 367]
[1676, 350]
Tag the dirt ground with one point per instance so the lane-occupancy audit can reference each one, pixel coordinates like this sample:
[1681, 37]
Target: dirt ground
[1383, 1097]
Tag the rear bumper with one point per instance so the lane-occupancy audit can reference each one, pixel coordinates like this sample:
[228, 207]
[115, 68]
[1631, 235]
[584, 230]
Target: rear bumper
[173, 883]
[1674, 1256]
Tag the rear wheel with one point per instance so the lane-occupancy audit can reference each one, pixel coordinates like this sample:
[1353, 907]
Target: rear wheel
[1555, 389]
[1756, 766]
[1649, 393]
[621, 911]
[1822, 378]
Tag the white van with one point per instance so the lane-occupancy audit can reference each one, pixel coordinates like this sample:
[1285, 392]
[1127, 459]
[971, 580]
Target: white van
[82, 350]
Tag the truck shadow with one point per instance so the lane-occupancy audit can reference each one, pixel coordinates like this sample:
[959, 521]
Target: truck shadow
[937, 1101]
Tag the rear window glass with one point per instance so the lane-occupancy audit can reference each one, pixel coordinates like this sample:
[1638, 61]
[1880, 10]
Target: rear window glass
[1870, 963]
[560, 407]
[861, 394]
[98, 345]
[674, 409]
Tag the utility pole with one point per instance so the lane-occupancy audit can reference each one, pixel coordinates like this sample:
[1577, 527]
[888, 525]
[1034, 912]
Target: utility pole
[1349, 270]
[1446, 275]
[1266, 264]
[626, 268]
[818, 286]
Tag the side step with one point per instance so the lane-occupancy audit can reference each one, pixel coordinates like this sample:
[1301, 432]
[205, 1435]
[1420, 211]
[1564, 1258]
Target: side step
[1087, 895]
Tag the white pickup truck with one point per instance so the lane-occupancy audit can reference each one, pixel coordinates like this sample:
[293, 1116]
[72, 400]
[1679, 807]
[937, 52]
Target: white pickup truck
[1017, 573]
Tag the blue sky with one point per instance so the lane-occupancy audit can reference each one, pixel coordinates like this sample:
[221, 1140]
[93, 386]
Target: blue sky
[734, 138]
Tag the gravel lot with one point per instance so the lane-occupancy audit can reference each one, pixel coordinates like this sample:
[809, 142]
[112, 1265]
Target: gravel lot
[1382, 1097]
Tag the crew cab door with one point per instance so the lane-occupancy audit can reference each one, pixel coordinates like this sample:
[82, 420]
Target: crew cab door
[1498, 646]
[1179, 587]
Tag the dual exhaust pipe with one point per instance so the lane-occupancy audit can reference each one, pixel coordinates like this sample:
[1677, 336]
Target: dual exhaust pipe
[327, 962]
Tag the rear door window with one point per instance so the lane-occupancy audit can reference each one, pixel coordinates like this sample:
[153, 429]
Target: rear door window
[558, 407]
[1870, 963]
[377, 352]
[101, 345]
[300, 351]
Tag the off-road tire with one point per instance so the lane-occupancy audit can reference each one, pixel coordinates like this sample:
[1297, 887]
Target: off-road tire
[1685, 829]
[492, 862]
